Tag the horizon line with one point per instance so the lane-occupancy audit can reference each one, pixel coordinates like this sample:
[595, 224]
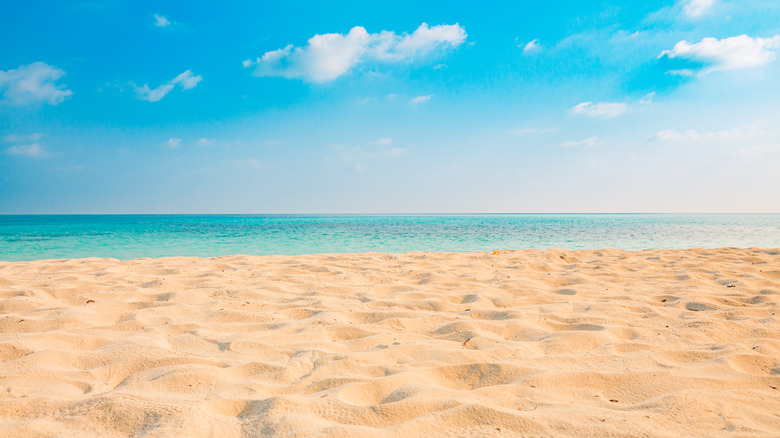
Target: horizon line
[392, 214]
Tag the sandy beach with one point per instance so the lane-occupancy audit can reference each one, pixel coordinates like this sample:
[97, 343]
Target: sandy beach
[521, 343]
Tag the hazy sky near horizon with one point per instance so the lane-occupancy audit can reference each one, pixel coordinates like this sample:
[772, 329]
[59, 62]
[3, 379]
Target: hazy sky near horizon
[401, 107]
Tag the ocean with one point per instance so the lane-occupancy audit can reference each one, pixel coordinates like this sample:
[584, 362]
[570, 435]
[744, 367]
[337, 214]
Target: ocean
[38, 237]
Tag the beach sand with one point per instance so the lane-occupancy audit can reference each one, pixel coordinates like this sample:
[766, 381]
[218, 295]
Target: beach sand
[523, 343]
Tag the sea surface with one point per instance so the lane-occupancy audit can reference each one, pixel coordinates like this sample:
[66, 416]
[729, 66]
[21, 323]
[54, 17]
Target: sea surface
[134, 236]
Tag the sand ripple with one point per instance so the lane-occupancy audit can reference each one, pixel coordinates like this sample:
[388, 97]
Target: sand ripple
[524, 343]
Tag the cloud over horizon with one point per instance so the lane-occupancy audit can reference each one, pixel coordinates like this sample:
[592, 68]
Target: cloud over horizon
[328, 56]
[31, 84]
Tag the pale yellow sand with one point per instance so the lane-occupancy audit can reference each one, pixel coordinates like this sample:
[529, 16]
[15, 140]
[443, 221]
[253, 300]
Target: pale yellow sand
[524, 343]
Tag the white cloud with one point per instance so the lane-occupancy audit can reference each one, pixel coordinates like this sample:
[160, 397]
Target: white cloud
[205, 142]
[185, 80]
[601, 109]
[31, 84]
[173, 142]
[422, 41]
[383, 141]
[727, 54]
[697, 8]
[152, 94]
[328, 56]
[420, 99]
[590, 141]
[29, 146]
[532, 46]
[161, 21]
[647, 98]
[27, 150]
[672, 135]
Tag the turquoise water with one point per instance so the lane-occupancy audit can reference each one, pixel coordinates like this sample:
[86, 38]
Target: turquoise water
[133, 236]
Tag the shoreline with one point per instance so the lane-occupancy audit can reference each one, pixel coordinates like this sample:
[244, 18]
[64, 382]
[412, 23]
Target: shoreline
[664, 342]
[385, 253]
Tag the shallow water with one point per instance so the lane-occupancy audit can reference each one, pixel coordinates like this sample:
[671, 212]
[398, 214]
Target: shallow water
[132, 236]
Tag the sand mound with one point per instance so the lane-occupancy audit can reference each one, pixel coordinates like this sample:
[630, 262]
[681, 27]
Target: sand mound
[531, 343]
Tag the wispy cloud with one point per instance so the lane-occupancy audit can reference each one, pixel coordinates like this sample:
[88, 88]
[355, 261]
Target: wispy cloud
[173, 142]
[358, 159]
[161, 21]
[32, 84]
[185, 80]
[152, 94]
[205, 141]
[697, 8]
[25, 145]
[532, 46]
[692, 135]
[420, 99]
[712, 54]
[328, 56]
[384, 143]
[601, 109]
[27, 150]
[590, 141]
[647, 98]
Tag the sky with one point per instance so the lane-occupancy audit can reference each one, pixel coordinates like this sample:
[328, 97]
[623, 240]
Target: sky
[402, 107]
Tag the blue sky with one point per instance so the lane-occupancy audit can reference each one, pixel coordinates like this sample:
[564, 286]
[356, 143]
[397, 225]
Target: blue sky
[365, 107]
